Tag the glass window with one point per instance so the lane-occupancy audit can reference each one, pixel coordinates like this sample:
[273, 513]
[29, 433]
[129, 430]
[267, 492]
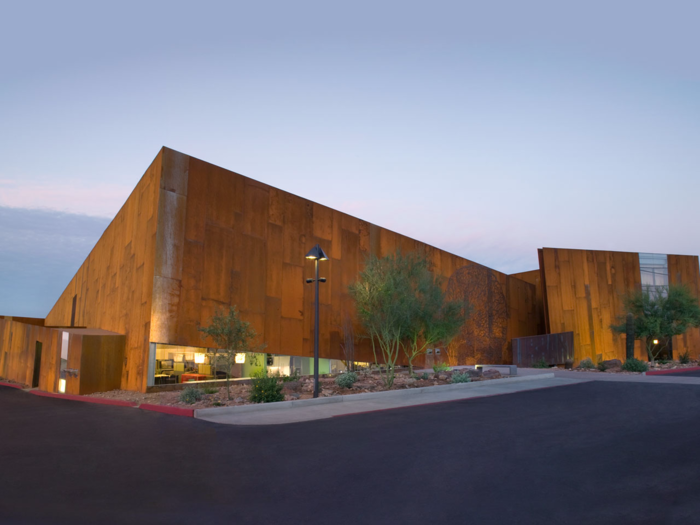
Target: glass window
[654, 270]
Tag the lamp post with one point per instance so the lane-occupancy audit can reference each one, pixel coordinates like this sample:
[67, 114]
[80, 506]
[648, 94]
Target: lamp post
[316, 254]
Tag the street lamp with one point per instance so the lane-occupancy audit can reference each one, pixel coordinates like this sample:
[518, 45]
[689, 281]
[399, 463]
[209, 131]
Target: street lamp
[317, 254]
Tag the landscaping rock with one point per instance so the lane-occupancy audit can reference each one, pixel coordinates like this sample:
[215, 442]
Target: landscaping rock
[239, 400]
[473, 373]
[612, 363]
[291, 386]
[442, 377]
[492, 374]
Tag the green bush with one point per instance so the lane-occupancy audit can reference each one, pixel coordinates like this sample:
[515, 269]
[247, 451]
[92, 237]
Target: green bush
[586, 364]
[191, 395]
[601, 366]
[265, 389]
[540, 363]
[346, 380]
[635, 365]
[425, 376]
[441, 367]
[210, 390]
[461, 377]
[684, 358]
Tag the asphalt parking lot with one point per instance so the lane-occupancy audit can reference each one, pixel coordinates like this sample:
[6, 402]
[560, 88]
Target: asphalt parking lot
[588, 453]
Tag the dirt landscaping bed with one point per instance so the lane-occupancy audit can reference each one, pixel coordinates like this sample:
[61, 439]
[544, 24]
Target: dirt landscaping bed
[301, 389]
[613, 366]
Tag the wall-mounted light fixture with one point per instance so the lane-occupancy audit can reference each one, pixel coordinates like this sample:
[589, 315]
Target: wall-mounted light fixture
[62, 386]
[656, 341]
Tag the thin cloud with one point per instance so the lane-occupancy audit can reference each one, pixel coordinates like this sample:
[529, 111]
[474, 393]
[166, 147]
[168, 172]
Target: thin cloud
[98, 200]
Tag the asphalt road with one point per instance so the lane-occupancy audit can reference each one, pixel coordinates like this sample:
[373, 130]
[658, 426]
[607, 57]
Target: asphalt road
[591, 453]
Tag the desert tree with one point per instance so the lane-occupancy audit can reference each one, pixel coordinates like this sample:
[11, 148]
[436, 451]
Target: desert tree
[231, 335]
[384, 300]
[658, 315]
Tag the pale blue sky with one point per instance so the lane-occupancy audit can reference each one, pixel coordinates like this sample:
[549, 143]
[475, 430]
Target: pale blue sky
[487, 129]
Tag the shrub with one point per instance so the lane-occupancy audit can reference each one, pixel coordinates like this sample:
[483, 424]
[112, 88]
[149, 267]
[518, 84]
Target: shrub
[461, 377]
[425, 376]
[191, 395]
[540, 363]
[586, 364]
[210, 390]
[441, 367]
[601, 366]
[684, 358]
[346, 380]
[265, 389]
[635, 365]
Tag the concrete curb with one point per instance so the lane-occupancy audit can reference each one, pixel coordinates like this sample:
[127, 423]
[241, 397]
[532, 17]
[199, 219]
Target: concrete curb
[11, 385]
[84, 399]
[409, 392]
[166, 409]
[672, 371]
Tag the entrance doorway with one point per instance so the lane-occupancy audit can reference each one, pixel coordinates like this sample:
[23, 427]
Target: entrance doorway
[37, 365]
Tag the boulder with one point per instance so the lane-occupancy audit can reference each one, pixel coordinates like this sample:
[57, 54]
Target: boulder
[492, 374]
[472, 372]
[443, 377]
[611, 364]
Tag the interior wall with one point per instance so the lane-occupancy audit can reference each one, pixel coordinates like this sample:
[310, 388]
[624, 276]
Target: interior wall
[224, 239]
[113, 287]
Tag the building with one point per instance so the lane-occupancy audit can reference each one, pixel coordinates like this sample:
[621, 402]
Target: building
[193, 238]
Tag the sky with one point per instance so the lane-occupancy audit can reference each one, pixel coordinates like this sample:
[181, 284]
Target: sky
[488, 129]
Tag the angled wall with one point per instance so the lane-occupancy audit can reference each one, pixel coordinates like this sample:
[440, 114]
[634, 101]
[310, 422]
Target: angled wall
[112, 290]
[584, 292]
[224, 239]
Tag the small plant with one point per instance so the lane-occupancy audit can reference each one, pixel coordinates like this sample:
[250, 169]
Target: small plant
[265, 389]
[540, 363]
[346, 380]
[210, 390]
[662, 361]
[602, 366]
[440, 367]
[461, 377]
[586, 364]
[684, 358]
[294, 376]
[217, 403]
[191, 395]
[425, 376]
[635, 365]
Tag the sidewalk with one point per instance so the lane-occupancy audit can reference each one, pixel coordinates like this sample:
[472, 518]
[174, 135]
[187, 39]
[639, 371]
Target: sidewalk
[378, 402]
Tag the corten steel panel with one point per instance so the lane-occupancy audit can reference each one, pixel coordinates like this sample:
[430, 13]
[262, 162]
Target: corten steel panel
[17, 353]
[193, 238]
[100, 363]
[554, 349]
[683, 269]
[584, 293]
[244, 244]
[115, 283]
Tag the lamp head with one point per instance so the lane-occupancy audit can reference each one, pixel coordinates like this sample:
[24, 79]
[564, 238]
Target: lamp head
[317, 253]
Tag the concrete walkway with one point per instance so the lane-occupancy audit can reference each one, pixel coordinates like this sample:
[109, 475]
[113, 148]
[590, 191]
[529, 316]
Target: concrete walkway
[309, 413]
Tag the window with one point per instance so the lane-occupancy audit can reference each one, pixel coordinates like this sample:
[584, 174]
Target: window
[654, 270]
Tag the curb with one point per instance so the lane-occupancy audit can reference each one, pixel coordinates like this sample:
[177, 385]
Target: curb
[84, 399]
[300, 403]
[672, 371]
[11, 385]
[165, 409]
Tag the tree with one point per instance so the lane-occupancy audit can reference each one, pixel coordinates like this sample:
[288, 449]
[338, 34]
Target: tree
[402, 308]
[659, 315]
[435, 320]
[232, 336]
[383, 298]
